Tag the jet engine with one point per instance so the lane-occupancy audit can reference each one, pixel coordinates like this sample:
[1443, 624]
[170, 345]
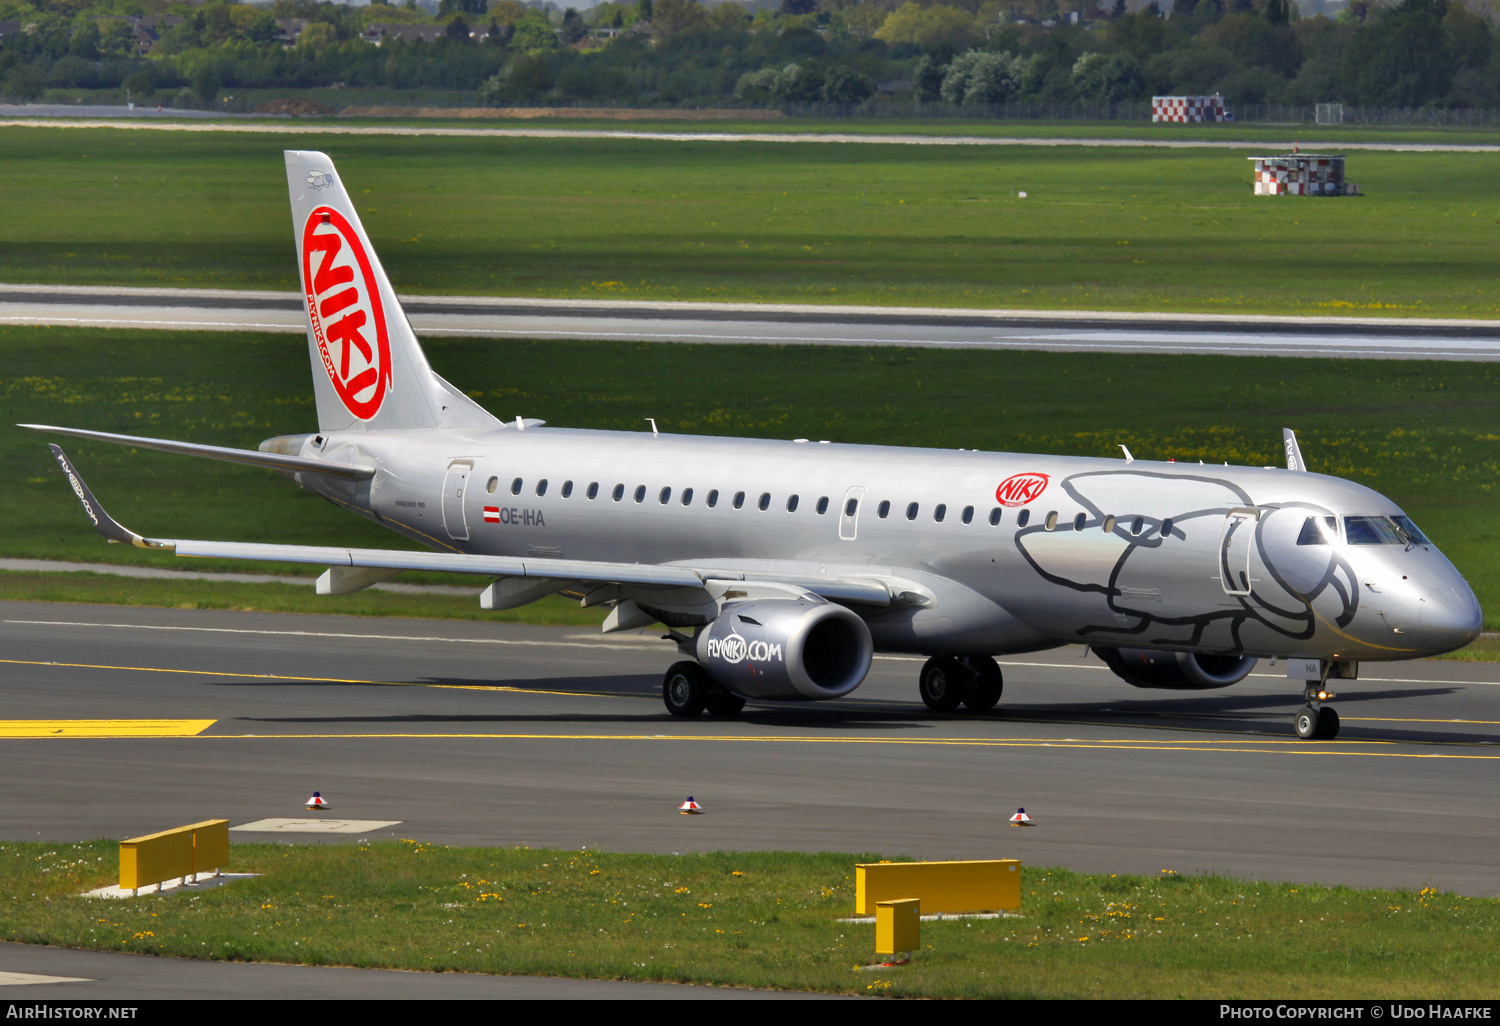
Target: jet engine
[801, 649]
[1176, 671]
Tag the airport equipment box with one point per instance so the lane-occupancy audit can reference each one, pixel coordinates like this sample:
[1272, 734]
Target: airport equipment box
[1301, 174]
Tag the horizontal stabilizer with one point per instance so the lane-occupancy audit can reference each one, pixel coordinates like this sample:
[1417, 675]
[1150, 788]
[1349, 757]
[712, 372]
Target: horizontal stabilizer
[269, 460]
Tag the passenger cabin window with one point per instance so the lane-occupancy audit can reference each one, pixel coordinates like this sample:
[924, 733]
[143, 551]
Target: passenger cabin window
[1052, 521]
[687, 496]
[995, 516]
[515, 487]
[968, 516]
[1166, 527]
[640, 493]
[1371, 531]
[491, 485]
[1137, 525]
[911, 511]
[713, 498]
[567, 491]
[1022, 518]
[618, 493]
[884, 509]
[1319, 531]
[791, 504]
[940, 512]
[665, 496]
[739, 500]
[541, 487]
[1079, 521]
[822, 506]
[765, 501]
[593, 492]
[1109, 525]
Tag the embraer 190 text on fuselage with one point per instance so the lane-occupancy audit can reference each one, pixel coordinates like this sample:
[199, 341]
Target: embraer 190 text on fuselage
[780, 567]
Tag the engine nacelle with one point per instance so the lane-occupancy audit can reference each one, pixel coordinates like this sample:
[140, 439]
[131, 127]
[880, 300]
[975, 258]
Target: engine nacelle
[802, 649]
[1176, 671]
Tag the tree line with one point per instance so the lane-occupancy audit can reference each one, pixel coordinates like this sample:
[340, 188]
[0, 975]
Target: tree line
[681, 52]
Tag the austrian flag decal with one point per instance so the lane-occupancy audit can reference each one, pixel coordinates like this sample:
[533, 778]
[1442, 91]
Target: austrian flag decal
[492, 514]
[1019, 489]
[344, 307]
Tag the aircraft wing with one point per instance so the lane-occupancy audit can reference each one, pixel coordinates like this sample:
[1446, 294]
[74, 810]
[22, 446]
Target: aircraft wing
[605, 581]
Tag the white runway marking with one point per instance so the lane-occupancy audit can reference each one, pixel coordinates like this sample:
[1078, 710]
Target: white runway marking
[317, 826]
[26, 979]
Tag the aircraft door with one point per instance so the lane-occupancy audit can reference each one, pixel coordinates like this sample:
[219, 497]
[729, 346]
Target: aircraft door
[1235, 547]
[454, 486]
[849, 513]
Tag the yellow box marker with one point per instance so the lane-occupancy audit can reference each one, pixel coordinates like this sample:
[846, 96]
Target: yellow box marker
[183, 852]
[986, 886]
[898, 926]
[103, 728]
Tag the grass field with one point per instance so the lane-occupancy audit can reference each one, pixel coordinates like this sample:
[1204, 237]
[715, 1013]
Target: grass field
[763, 919]
[1124, 229]
[1423, 433]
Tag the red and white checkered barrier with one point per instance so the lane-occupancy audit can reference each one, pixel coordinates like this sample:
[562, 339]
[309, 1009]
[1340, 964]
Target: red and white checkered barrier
[1299, 174]
[1189, 108]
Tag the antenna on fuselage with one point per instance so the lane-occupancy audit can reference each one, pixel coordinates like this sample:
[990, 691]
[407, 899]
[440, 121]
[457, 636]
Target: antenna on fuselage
[1128, 458]
[652, 422]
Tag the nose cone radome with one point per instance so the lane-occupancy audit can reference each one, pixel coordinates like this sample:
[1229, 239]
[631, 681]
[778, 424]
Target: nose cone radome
[1450, 618]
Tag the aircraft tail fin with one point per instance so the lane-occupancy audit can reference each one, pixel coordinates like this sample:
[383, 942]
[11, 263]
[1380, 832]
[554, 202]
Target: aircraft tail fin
[369, 371]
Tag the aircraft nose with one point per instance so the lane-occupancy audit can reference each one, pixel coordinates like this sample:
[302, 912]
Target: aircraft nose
[1451, 617]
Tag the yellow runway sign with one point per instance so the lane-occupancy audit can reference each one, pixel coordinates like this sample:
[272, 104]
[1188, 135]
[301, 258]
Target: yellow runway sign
[103, 728]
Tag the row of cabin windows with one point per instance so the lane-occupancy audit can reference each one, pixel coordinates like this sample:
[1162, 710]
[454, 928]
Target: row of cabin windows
[939, 512]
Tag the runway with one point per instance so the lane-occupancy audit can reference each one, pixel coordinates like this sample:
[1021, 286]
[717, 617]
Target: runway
[1087, 331]
[119, 721]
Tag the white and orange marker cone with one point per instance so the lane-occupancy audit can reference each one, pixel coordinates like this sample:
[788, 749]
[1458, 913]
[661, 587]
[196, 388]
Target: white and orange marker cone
[1021, 819]
[317, 802]
[690, 808]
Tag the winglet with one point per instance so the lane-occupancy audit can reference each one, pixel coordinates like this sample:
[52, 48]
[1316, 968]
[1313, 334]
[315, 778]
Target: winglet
[1294, 460]
[103, 522]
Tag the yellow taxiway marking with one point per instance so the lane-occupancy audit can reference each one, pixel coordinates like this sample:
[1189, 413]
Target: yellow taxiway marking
[317, 680]
[1255, 746]
[103, 728]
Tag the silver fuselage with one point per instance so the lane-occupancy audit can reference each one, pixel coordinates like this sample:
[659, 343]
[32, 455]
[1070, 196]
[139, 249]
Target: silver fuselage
[1084, 560]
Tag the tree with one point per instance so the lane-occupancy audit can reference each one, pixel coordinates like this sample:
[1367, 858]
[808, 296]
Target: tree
[927, 27]
[927, 77]
[981, 77]
[457, 30]
[1107, 78]
[205, 82]
[670, 17]
[524, 79]
[799, 6]
[573, 28]
[843, 84]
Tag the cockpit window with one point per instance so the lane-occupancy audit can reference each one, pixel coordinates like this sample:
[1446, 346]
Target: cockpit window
[1411, 530]
[1318, 531]
[1371, 531]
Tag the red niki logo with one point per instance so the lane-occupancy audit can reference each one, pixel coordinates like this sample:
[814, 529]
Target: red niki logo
[1019, 489]
[344, 306]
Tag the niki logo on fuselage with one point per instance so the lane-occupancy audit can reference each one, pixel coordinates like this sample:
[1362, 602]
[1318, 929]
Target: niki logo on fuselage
[348, 321]
[734, 649]
[1020, 489]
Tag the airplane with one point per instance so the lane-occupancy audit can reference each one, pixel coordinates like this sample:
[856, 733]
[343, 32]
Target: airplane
[779, 567]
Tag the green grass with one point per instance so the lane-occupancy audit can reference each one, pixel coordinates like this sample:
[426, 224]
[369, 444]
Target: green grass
[763, 919]
[105, 589]
[1424, 433]
[1122, 229]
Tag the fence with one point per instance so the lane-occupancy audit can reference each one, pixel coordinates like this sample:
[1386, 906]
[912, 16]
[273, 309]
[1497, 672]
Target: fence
[1140, 110]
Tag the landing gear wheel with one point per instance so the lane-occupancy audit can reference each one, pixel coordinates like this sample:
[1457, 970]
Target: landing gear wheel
[986, 684]
[1305, 723]
[686, 688]
[942, 683]
[1328, 723]
[724, 704]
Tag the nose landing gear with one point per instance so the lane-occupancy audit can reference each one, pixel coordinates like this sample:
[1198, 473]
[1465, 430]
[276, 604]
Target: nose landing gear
[1315, 721]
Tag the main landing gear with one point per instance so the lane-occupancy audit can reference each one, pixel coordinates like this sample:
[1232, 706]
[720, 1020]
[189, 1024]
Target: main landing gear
[688, 690]
[1316, 721]
[946, 682]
